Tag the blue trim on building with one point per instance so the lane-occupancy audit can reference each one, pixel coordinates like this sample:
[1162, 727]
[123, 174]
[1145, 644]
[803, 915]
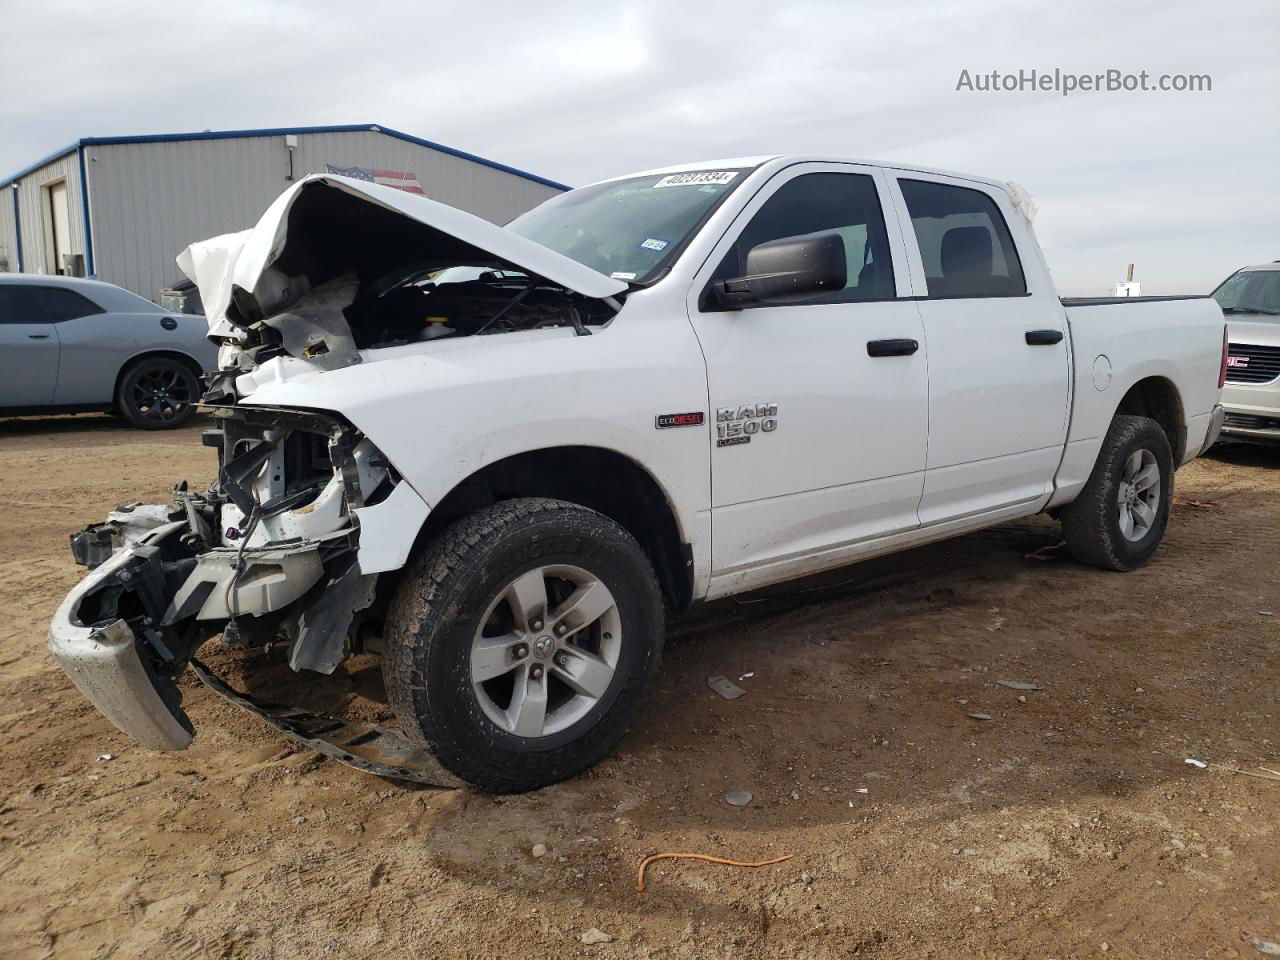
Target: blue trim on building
[17, 225]
[84, 219]
[277, 132]
[56, 155]
[409, 138]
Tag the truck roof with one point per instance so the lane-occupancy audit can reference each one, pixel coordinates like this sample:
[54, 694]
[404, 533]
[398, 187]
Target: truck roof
[784, 160]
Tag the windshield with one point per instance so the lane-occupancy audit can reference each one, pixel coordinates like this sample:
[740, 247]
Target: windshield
[1250, 291]
[628, 229]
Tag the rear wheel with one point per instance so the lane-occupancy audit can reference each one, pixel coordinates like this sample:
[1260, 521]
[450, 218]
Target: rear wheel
[158, 393]
[1120, 516]
[519, 644]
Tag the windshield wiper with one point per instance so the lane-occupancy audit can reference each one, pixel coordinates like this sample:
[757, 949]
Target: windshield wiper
[1235, 311]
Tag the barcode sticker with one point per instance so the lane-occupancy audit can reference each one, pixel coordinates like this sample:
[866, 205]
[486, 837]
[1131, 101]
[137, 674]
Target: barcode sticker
[697, 178]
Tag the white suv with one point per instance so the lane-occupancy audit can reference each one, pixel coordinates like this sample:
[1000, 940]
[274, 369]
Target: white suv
[1250, 300]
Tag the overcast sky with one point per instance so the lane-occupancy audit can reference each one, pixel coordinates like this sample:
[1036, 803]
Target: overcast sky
[1182, 184]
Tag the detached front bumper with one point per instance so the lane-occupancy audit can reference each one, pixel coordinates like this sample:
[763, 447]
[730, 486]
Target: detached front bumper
[107, 663]
[128, 630]
[287, 546]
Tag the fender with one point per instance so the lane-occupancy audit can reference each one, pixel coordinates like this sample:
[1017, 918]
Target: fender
[530, 391]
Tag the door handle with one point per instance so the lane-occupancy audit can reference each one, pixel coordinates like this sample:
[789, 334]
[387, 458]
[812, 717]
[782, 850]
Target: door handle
[1043, 338]
[37, 336]
[891, 348]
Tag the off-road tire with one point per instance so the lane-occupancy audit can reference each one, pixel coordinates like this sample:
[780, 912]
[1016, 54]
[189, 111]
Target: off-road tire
[1091, 523]
[179, 379]
[436, 611]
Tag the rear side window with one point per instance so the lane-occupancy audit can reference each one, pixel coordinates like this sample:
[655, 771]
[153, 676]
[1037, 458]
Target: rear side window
[63, 304]
[20, 303]
[964, 241]
[842, 203]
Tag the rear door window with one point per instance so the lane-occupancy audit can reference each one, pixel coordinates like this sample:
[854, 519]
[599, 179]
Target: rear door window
[20, 303]
[964, 241]
[63, 304]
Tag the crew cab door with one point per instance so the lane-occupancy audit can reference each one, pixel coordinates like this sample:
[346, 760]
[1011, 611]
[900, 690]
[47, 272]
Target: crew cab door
[819, 408]
[28, 348]
[998, 348]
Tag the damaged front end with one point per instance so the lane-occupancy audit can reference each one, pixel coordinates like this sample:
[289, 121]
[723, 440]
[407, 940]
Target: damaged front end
[270, 551]
[337, 276]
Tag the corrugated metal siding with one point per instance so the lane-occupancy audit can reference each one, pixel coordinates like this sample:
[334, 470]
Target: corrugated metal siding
[32, 208]
[150, 200]
[8, 249]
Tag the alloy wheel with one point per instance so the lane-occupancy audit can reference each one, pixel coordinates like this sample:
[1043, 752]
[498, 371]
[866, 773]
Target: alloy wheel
[546, 651]
[161, 394]
[1139, 495]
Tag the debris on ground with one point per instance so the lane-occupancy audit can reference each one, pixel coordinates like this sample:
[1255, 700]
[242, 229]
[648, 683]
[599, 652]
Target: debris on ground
[1269, 947]
[1053, 551]
[595, 935]
[980, 716]
[1195, 763]
[748, 675]
[1266, 774]
[706, 858]
[1181, 501]
[1018, 685]
[1266, 613]
[104, 757]
[725, 687]
[738, 798]
[539, 850]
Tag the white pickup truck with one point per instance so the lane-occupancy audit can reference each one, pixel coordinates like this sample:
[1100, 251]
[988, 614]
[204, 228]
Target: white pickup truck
[496, 455]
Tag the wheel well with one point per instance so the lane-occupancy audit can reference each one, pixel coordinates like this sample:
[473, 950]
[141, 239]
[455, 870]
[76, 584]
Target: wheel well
[598, 479]
[1157, 398]
[182, 358]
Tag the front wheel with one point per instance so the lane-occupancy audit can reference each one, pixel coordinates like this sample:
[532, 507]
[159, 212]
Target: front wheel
[520, 642]
[1120, 516]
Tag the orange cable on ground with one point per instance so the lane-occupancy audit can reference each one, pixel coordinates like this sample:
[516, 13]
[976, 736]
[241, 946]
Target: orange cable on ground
[644, 864]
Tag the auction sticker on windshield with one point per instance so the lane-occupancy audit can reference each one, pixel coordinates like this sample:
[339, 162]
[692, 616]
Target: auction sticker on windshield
[697, 178]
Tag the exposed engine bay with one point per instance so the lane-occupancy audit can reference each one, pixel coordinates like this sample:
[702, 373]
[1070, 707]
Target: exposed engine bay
[337, 272]
[331, 323]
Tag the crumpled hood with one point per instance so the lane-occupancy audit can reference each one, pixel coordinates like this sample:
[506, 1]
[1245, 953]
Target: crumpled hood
[293, 245]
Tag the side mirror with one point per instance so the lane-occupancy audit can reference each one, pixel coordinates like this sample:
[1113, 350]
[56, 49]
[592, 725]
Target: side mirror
[790, 268]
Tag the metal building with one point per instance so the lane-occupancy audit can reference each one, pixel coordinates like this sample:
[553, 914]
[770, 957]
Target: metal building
[121, 208]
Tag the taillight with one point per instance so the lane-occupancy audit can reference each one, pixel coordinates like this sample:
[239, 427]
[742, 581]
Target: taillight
[1222, 373]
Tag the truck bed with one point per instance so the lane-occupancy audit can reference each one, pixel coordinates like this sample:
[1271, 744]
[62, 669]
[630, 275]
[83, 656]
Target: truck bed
[1106, 301]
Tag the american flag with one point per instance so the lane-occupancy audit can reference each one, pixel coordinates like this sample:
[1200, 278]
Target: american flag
[399, 179]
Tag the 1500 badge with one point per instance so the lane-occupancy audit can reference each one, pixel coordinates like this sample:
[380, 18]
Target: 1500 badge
[735, 425]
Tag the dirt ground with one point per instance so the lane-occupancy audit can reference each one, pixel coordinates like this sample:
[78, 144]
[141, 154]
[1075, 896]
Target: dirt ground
[1065, 826]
